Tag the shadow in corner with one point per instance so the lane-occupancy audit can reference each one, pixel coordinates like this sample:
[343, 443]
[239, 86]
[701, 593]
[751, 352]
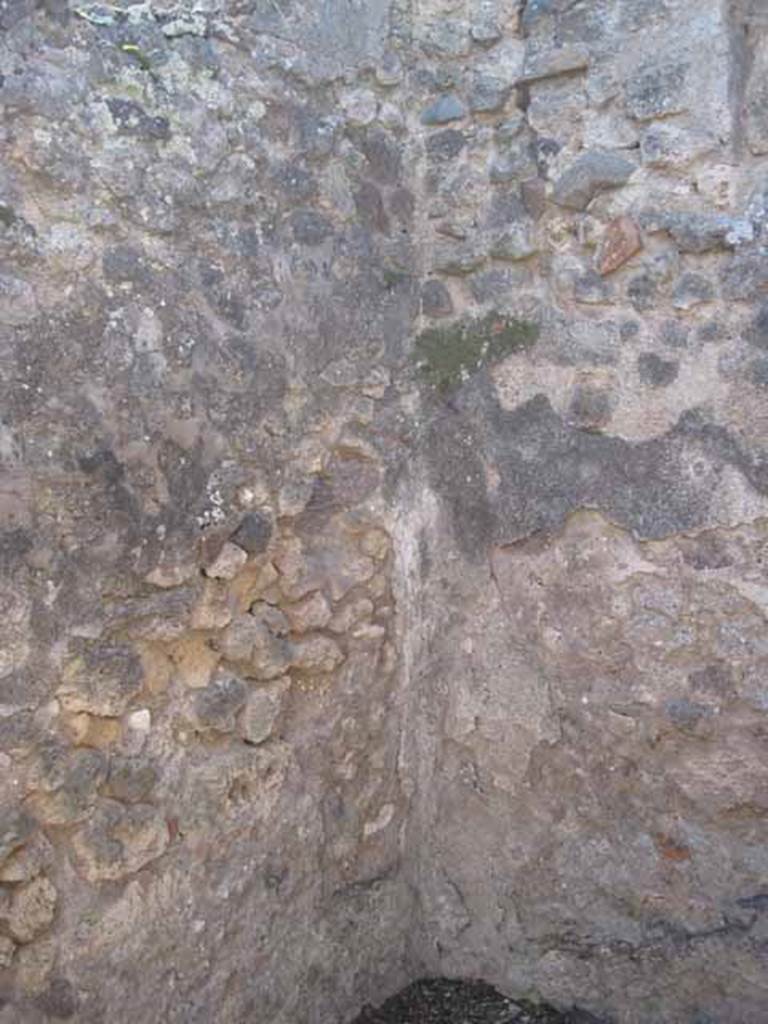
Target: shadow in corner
[442, 1001]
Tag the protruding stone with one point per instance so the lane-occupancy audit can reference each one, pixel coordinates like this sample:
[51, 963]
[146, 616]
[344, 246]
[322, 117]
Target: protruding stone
[444, 110]
[28, 861]
[262, 710]
[228, 563]
[620, 242]
[250, 645]
[254, 533]
[215, 707]
[313, 612]
[656, 90]
[705, 232]
[591, 173]
[487, 93]
[444, 146]
[32, 909]
[558, 61]
[316, 654]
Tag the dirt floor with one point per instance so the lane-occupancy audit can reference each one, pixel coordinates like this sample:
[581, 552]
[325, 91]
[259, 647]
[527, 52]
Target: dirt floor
[439, 1001]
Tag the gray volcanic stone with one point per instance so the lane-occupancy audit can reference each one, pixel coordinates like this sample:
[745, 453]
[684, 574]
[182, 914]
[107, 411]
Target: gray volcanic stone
[436, 299]
[253, 533]
[655, 371]
[657, 90]
[590, 174]
[551, 63]
[487, 93]
[443, 110]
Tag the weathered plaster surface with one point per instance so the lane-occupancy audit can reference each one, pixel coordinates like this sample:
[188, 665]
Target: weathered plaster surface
[383, 503]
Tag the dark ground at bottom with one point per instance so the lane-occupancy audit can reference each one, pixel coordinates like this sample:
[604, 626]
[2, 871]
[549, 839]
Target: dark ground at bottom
[440, 1001]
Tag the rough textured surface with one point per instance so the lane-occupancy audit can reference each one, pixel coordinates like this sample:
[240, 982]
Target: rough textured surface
[438, 1001]
[383, 506]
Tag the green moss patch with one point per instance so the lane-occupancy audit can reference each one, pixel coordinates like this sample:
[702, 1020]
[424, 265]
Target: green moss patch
[447, 356]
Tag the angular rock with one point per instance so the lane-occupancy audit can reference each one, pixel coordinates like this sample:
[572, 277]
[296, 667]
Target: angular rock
[249, 644]
[668, 145]
[620, 242]
[656, 90]
[443, 110]
[216, 706]
[28, 861]
[316, 654]
[590, 174]
[313, 612]
[445, 145]
[262, 710]
[561, 60]
[703, 232]
[32, 909]
[254, 533]
[228, 563]
[487, 93]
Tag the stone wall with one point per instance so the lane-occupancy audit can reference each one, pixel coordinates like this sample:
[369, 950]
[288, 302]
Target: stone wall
[590, 681]
[383, 503]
